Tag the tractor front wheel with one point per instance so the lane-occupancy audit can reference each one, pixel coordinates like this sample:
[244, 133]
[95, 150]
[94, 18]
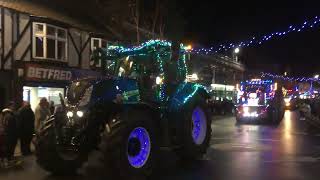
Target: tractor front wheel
[130, 145]
[48, 156]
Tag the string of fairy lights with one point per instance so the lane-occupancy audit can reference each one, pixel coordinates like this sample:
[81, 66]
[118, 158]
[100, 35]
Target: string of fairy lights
[290, 79]
[306, 25]
[252, 41]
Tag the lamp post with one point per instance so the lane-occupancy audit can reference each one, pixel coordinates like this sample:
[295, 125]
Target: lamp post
[235, 54]
[315, 78]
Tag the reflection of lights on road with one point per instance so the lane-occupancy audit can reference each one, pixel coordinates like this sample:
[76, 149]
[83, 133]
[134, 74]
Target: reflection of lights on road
[287, 121]
[289, 145]
[250, 133]
[287, 124]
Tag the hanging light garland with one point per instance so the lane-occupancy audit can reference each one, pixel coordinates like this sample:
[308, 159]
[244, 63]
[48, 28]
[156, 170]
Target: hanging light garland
[310, 24]
[152, 44]
[291, 79]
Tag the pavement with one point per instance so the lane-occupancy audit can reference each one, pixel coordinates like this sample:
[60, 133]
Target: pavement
[237, 151]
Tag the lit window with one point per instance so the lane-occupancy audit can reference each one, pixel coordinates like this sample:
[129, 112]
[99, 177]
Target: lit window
[97, 43]
[49, 42]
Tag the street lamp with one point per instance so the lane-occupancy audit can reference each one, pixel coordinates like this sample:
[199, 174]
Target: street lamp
[316, 76]
[237, 50]
[235, 54]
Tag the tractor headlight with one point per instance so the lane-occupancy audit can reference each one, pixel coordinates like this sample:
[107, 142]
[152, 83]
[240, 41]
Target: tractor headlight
[70, 114]
[287, 100]
[86, 97]
[246, 109]
[159, 80]
[80, 114]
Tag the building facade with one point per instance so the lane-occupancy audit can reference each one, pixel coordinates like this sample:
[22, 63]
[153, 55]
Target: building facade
[39, 55]
[219, 73]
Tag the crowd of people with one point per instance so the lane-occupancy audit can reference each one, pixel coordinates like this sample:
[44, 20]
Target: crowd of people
[20, 124]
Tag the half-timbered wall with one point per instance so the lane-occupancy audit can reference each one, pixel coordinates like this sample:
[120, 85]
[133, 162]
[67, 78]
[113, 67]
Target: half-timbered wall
[17, 44]
[79, 49]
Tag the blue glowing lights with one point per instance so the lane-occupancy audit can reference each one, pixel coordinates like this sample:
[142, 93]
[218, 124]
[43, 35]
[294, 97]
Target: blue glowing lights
[139, 154]
[199, 129]
[257, 82]
[258, 41]
[291, 79]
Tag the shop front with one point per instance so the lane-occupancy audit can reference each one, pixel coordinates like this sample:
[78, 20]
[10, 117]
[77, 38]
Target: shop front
[41, 81]
[221, 91]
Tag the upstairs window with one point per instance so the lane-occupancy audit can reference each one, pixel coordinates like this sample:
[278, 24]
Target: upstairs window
[97, 43]
[49, 42]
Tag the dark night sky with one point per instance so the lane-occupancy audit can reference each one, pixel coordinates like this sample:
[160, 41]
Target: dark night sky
[213, 22]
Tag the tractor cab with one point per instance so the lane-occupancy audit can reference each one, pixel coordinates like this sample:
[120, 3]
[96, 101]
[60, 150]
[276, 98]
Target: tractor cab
[156, 66]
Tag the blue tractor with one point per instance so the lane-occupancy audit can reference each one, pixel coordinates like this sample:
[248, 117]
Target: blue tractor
[145, 105]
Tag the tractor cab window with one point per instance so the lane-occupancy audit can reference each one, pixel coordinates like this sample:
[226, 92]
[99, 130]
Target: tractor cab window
[137, 69]
[126, 68]
[145, 71]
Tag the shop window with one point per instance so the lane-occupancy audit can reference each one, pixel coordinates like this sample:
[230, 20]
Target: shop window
[49, 42]
[34, 95]
[97, 43]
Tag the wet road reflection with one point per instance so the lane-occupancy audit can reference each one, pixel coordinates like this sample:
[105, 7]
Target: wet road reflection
[237, 151]
[255, 150]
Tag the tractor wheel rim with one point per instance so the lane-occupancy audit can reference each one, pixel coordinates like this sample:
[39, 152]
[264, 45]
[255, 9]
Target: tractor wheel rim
[138, 147]
[199, 126]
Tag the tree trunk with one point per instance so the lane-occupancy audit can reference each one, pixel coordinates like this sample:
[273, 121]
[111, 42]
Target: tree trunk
[155, 18]
[137, 18]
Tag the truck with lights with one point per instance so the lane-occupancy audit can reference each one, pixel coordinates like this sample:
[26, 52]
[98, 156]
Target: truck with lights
[260, 100]
[145, 105]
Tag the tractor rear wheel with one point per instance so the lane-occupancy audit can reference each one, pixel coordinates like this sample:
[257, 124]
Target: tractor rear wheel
[196, 124]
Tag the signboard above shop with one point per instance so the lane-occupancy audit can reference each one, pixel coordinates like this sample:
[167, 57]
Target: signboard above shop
[41, 73]
[36, 72]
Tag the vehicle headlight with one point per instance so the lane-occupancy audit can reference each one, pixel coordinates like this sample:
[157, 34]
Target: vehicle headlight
[86, 97]
[287, 100]
[246, 109]
[80, 114]
[70, 114]
[159, 80]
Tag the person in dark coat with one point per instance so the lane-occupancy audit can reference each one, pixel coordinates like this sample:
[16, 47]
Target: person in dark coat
[26, 123]
[11, 130]
[52, 107]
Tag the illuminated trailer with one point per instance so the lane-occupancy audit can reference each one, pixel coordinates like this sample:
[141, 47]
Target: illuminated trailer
[258, 100]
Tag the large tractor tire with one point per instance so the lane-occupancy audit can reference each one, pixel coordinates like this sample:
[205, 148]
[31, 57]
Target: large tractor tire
[49, 158]
[130, 145]
[196, 130]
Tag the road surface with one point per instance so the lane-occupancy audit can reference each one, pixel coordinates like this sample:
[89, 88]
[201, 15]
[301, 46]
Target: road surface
[245, 151]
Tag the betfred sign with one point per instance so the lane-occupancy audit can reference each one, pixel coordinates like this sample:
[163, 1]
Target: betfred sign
[47, 73]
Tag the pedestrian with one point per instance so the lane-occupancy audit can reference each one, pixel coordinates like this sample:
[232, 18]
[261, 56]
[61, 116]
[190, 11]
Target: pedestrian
[26, 126]
[9, 119]
[42, 113]
[2, 140]
[52, 107]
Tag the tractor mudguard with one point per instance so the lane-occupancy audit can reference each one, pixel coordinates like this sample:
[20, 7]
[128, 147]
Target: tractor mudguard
[184, 94]
[181, 101]
[140, 106]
